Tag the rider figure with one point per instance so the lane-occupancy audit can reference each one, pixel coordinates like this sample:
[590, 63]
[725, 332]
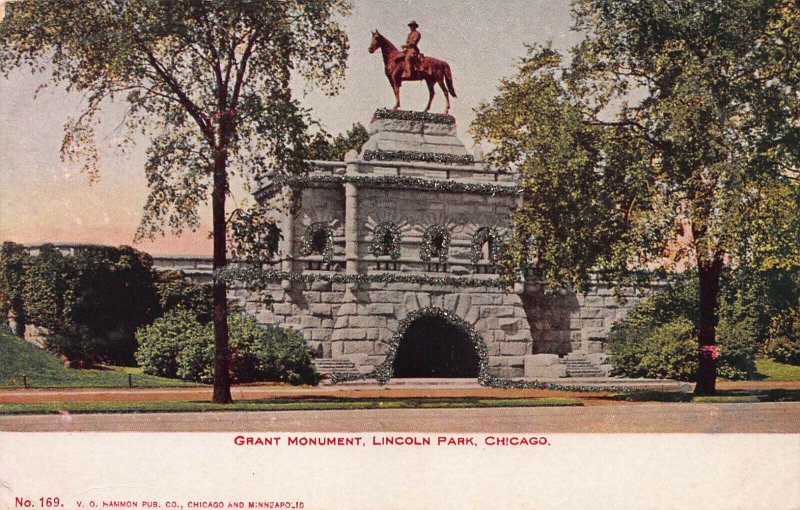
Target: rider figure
[410, 48]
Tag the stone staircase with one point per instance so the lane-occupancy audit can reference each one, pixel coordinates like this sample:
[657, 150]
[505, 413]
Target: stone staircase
[578, 365]
[327, 366]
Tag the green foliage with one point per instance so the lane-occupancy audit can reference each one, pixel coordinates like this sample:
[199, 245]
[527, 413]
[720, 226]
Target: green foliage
[178, 293]
[676, 305]
[43, 369]
[90, 303]
[179, 346]
[784, 337]
[13, 259]
[738, 345]
[327, 148]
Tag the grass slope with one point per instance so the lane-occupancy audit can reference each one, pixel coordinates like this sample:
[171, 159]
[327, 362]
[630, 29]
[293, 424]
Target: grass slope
[44, 370]
[774, 371]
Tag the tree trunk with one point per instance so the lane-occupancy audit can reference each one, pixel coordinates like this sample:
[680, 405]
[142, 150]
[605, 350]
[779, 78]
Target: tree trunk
[708, 272]
[222, 377]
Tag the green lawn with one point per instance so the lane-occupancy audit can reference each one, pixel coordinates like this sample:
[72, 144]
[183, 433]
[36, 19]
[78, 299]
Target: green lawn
[722, 396]
[45, 370]
[772, 370]
[306, 404]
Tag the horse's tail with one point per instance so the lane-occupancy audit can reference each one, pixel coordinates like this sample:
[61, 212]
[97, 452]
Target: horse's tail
[448, 79]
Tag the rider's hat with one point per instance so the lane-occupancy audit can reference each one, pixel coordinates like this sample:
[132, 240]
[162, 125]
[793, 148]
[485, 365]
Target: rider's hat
[413, 24]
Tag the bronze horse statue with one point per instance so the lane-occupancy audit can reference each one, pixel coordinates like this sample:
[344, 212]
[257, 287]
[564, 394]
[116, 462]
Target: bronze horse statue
[430, 69]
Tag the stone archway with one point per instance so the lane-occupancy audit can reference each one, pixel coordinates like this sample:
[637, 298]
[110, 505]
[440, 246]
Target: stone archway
[436, 345]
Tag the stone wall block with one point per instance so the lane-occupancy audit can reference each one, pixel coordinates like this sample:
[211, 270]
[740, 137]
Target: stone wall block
[348, 309]
[331, 297]
[282, 309]
[367, 321]
[540, 360]
[337, 348]
[312, 296]
[358, 347]
[310, 322]
[321, 285]
[380, 309]
[545, 372]
[341, 322]
[320, 309]
[513, 348]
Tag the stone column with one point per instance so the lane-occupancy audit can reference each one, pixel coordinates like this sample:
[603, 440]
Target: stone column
[288, 235]
[351, 227]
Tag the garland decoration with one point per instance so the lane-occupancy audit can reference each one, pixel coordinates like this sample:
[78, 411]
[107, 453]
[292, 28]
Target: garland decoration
[384, 372]
[428, 157]
[433, 118]
[318, 238]
[386, 241]
[485, 235]
[435, 243]
[256, 278]
[387, 182]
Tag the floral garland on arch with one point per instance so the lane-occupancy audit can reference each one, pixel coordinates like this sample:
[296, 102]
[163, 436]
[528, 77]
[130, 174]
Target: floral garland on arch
[386, 241]
[384, 372]
[485, 235]
[435, 243]
[311, 238]
[433, 118]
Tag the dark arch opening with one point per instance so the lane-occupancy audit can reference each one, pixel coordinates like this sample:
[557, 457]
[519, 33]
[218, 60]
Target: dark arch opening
[432, 347]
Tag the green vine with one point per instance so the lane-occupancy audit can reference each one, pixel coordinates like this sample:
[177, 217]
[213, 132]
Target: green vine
[386, 241]
[318, 233]
[435, 243]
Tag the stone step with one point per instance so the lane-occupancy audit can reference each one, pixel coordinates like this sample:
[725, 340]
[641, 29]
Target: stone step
[578, 365]
[339, 366]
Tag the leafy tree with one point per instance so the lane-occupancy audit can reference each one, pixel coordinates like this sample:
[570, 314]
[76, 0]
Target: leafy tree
[327, 148]
[208, 81]
[177, 293]
[671, 136]
[13, 258]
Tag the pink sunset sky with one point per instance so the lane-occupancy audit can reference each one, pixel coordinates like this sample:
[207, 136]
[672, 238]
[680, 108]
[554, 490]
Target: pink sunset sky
[43, 199]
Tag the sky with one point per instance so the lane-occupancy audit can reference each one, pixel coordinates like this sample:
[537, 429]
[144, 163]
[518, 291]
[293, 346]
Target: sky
[43, 199]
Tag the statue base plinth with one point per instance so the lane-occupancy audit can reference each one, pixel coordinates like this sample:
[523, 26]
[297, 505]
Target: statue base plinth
[414, 136]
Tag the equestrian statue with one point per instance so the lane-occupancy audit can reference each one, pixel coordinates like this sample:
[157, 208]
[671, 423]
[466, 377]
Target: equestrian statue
[411, 65]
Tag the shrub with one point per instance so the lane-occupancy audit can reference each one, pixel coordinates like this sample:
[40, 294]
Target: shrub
[179, 346]
[784, 342]
[737, 349]
[161, 343]
[666, 351]
[176, 293]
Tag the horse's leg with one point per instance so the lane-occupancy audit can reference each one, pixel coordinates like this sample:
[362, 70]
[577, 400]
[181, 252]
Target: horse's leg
[396, 88]
[446, 95]
[431, 92]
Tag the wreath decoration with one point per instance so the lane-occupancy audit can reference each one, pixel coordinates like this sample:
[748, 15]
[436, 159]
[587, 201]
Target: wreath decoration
[386, 241]
[435, 243]
[318, 233]
[485, 235]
